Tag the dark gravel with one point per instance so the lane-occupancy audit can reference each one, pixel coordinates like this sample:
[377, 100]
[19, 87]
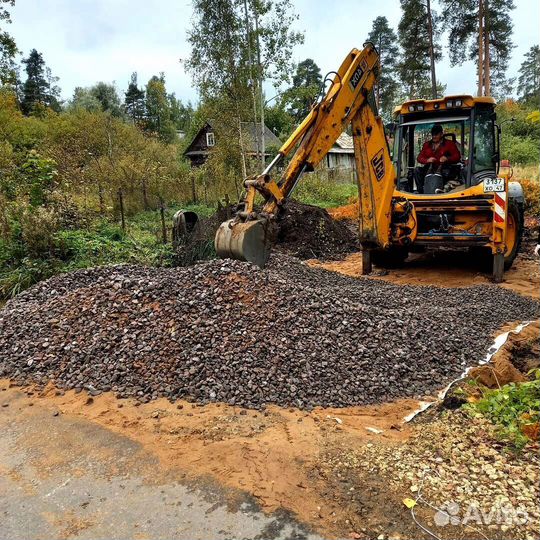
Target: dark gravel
[310, 232]
[229, 331]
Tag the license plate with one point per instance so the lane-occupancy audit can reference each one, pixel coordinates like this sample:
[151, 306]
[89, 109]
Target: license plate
[492, 185]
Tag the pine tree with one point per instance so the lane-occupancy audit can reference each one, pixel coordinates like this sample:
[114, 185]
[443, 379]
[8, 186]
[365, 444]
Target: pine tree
[385, 40]
[529, 76]
[8, 49]
[461, 19]
[134, 103]
[306, 84]
[40, 87]
[158, 111]
[414, 38]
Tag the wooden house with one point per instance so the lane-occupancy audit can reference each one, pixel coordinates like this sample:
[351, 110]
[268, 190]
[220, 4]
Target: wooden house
[202, 144]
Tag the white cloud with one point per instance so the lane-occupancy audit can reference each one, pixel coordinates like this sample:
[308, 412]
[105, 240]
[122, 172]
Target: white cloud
[85, 41]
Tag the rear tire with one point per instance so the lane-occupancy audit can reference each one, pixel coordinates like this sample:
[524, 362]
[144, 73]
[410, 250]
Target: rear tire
[514, 232]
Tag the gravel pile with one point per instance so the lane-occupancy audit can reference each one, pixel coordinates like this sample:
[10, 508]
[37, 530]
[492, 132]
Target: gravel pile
[228, 331]
[310, 232]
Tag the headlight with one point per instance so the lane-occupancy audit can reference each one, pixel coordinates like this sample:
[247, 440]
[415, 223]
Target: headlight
[458, 103]
[411, 108]
[419, 107]
[449, 104]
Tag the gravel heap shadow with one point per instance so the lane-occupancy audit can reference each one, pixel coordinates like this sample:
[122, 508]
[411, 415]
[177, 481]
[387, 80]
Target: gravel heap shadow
[228, 331]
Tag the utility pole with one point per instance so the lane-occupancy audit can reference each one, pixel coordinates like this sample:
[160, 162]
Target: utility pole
[254, 91]
[480, 91]
[261, 94]
[431, 52]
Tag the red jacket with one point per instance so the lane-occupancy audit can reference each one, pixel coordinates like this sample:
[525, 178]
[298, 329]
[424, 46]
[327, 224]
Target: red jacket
[447, 148]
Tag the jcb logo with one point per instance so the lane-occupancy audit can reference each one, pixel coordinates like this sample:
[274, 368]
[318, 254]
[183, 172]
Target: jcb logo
[356, 77]
[378, 164]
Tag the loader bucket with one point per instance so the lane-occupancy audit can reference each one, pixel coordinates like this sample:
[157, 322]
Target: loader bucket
[243, 241]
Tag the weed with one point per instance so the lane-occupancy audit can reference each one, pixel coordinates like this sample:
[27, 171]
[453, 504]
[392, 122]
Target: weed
[513, 408]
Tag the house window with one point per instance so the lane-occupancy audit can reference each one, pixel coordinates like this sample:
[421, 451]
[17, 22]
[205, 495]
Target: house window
[210, 140]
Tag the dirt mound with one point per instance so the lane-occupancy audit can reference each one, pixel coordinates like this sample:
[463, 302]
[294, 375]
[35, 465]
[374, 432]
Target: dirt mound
[228, 331]
[310, 232]
[304, 231]
[349, 212]
[513, 361]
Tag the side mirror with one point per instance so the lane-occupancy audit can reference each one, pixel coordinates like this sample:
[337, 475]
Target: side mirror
[505, 163]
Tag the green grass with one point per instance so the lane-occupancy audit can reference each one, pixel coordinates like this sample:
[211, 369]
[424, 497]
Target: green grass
[511, 408]
[103, 241]
[319, 191]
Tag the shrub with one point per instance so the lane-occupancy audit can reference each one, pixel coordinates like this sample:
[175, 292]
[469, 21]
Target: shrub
[532, 196]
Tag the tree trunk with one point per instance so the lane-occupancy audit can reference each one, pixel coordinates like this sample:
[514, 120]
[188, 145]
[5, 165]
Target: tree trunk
[378, 87]
[431, 52]
[480, 91]
[487, 67]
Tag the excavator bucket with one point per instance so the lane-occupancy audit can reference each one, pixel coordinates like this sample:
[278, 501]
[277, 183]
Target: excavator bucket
[247, 241]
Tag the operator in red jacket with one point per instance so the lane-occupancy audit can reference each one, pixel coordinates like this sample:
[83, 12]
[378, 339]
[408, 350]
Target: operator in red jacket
[438, 153]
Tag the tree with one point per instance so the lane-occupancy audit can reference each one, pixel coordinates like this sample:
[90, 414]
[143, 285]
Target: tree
[481, 31]
[107, 96]
[529, 76]
[385, 39]
[40, 87]
[306, 85]
[279, 121]
[134, 101]
[235, 47]
[84, 99]
[100, 97]
[8, 49]
[415, 37]
[158, 111]
[181, 115]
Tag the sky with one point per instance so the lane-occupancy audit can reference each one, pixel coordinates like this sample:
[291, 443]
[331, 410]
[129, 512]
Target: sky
[86, 41]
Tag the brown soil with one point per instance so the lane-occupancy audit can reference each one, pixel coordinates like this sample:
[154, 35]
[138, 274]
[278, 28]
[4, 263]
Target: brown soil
[520, 354]
[444, 270]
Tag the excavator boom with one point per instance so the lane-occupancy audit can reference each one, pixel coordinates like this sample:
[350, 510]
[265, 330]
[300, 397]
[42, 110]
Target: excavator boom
[348, 101]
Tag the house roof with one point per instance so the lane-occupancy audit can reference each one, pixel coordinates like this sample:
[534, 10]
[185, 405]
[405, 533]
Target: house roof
[249, 134]
[343, 145]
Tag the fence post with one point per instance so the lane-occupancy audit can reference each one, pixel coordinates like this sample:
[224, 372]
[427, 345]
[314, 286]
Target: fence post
[193, 188]
[121, 204]
[227, 206]
[163, 226]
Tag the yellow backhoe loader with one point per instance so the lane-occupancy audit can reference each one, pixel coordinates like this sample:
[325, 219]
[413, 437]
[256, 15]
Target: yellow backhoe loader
[474, 206]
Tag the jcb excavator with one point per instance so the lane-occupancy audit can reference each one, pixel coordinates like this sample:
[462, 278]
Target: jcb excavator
[475, 206]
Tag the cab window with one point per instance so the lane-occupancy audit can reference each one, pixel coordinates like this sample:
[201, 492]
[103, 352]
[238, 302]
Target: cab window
[484, 142]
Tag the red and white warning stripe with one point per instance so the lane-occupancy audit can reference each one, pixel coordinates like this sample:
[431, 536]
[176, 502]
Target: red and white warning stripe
[500, 207]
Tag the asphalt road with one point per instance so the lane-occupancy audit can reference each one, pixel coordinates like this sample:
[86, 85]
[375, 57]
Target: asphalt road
[62, 477]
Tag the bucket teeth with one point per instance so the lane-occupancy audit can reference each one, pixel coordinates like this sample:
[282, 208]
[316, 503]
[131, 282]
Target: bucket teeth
[243, 241]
